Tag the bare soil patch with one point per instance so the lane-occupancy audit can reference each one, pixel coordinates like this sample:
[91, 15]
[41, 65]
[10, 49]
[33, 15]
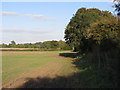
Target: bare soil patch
[22, 52]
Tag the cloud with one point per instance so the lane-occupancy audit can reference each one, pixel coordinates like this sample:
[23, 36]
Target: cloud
[34, 15]
[37, 16]
[37, 31]
[29, 36]
[9, 13]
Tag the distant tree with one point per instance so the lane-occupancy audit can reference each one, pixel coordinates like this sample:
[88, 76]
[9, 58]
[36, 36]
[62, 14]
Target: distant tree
[64, 46]
[3, 46]
[37, 45]
[13, 42]
[46, 45]
[54, 44]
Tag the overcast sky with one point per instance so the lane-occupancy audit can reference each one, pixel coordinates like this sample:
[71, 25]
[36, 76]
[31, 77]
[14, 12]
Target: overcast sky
[26, 22]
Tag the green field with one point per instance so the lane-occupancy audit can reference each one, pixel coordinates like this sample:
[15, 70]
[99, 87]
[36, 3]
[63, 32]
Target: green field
[15, 63]
[44, 69]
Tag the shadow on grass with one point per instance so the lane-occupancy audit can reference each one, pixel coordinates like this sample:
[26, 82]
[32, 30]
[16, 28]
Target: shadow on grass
[71, 55]
[84, 78]
[77, 80]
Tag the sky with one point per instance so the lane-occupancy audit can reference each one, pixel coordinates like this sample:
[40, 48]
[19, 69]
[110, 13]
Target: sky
[30, 22]
[56, 0]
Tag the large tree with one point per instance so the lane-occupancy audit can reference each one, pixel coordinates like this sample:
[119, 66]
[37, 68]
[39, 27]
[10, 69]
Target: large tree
[105, 31]
[75, 30]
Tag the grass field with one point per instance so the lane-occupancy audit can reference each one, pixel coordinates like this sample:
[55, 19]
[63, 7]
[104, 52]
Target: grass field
[50, 69]
[20, 65]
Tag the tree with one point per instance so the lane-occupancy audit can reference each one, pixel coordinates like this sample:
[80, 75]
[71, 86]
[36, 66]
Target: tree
[104, 32]
[3, 46]
[75, 30]
[13, 43]
[54, 44]
[64, 46]
[117, 6]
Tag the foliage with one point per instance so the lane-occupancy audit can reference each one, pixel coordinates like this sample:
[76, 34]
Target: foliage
[96, 34]
[46, 45]
[107, 29]
[117, 6]
[75, 30]
[13, 42]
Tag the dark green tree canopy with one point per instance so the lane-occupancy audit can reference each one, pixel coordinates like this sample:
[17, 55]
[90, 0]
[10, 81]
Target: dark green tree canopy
[75, 30]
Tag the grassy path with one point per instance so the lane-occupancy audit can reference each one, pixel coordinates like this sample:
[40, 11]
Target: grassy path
[18, 67]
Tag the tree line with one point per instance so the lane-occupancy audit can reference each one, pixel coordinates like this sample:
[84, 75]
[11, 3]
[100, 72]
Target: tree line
[55, 45]
[95, 34]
